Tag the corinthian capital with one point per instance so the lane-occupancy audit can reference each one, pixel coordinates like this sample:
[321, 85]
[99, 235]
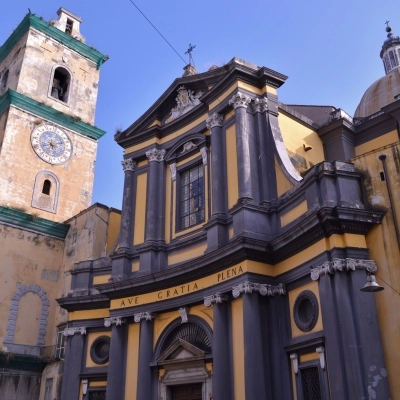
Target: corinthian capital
[215, 298]
[263, 289]
[72, 331]
[114, 321]
[260, 105]
[214, 120]
[239, 100]
[128, 164]
[143, 316]
[155, 154]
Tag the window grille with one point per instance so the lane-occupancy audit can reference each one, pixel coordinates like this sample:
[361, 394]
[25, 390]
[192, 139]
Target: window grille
[97, 395]
[310, 383]
[191, 333]
[60, 345]
[192, 197]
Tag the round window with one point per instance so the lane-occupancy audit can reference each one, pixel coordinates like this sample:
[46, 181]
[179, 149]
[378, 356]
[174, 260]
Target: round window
[100, 350]
[306, 310]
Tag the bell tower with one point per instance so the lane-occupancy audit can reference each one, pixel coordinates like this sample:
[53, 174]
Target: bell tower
[48, 142]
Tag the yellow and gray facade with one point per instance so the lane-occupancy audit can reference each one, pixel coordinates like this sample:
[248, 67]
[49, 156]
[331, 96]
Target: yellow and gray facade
[248, 228]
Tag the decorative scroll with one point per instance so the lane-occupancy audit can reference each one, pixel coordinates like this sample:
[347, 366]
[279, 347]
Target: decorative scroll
[128, 164]
[203, 152]
[173, 171]
[188, 146]
[72, 331]
[339, 264]
[215, 298]
[143, 316]
[114, 321]
[263, 289]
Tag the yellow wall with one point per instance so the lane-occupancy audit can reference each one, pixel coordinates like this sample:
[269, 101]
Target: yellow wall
[114, 224]
[384, 250]
[140, 209]
[132, 362]
[238, 349]
[186, 255]
[313, 287]
[294, 213]
[295, 134]
[282, 183]
[91, 337]
[381, 141]
[231, 157]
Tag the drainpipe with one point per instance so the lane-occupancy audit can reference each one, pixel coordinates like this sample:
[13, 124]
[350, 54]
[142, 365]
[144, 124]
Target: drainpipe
[382, 157]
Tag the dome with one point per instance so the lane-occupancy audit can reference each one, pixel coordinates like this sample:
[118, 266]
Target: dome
[379, 94]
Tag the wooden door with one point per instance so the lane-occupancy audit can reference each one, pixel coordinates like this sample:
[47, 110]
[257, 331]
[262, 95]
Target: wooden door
[187, 392]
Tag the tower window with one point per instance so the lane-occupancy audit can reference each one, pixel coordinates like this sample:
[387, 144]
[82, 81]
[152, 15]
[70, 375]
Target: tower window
[46, 187]
[386, 63]
[393, 59]
[61, 84]
[68, 27]
[3, 83]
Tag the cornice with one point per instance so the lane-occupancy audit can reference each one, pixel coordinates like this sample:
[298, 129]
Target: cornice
[32, 21]
[26, 221]
[12, 98]
[76, 303]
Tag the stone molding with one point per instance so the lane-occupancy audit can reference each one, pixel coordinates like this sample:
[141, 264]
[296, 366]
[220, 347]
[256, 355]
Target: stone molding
[214, 120]
[117, 321]
[155, 154]
[128, 164]
[342, 264]
[260, 105]
[144, 316]
[203, 152]
[295, 362]
[239, 100]
[263, 289]
[173, 171]
[12, 318]
[72, 331]
[321, 351]
[215, 298]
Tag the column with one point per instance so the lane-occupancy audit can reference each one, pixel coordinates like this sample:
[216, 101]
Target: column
[122, 266]
[73, 362]
[240, 102]
[117, 360]
[217, 233]
[222, 372]
[267, 151]
[154, 198]
[352, 338]
[145, 354]
[256, 379]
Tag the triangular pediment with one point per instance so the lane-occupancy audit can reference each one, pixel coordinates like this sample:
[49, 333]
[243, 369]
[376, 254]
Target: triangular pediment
[180, 351]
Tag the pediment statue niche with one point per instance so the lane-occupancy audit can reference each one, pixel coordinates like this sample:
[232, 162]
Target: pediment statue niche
[186, 100]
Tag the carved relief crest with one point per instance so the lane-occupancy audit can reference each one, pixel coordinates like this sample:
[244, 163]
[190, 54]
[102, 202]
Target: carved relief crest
[186, 100]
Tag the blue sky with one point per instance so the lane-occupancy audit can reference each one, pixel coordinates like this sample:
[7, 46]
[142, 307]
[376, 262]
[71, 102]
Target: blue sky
[328, 49]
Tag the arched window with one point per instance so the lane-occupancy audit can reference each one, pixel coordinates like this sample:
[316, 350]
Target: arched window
[3, 83]
[60, 84]
[393, 59]
[46, 187]
[46, 191]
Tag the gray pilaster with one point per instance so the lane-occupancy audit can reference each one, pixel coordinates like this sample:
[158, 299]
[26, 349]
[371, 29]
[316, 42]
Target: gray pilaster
[217, 232]
[145, 355]
[222, 372]
[255, 382]
[354, 348]
[267, 151]
[122, 266]
[240, 102]
[117, 360]
[73, 363]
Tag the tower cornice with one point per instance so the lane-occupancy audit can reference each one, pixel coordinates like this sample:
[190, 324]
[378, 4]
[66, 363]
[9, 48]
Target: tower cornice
[32, 21]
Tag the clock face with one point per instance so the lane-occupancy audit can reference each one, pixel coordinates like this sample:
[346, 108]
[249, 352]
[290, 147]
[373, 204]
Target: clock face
[51, 144]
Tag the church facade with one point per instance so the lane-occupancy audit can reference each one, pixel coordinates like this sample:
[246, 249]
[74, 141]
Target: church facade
[233, 271]
[248, 228]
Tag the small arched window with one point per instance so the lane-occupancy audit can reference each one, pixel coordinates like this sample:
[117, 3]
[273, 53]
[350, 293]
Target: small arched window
[393, 59]
[60, 84]
[3, 83]
[46, 187]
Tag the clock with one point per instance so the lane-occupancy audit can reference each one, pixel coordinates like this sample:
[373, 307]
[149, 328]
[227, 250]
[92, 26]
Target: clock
[51, 144]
